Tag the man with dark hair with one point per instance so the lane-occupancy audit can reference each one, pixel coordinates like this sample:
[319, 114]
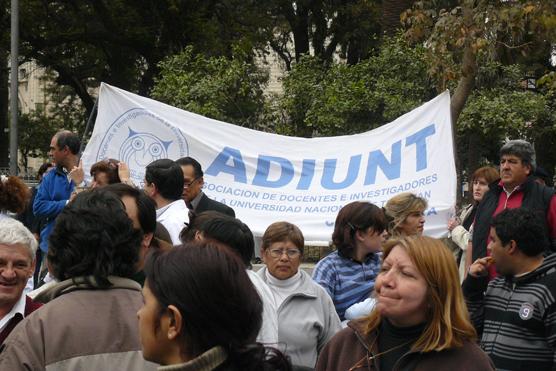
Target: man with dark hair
[516, 316]
[516, 188]
[164, 184]
[90, 321]
[57, 185]
[195, 199]
[142, 211]
[237, 235]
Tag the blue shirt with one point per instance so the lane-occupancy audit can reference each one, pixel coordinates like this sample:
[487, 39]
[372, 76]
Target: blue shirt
[52, 196]
[346, 280]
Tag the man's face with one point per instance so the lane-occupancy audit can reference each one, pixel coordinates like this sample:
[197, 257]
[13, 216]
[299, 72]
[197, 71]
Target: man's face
[500, 254]
[16, 267]
[512, 171]
[57, 154]
[191, 185]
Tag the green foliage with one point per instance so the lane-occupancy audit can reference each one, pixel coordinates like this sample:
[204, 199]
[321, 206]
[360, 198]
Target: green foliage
[339, 99]
[221, 88]
[35, 131]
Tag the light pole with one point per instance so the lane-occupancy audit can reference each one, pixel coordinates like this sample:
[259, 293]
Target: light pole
[14, 56]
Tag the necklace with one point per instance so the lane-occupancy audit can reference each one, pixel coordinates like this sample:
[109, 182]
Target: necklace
[368, 358]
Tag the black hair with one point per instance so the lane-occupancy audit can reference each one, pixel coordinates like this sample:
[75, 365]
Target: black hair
[197, 169]
[220, 306]
[167, 176]
[67, 138]
[524, 226]
[146, 208]
[195, 221]
[522, 149]
[93, 236]
[44, 167]
[353, 217]
[232, 232]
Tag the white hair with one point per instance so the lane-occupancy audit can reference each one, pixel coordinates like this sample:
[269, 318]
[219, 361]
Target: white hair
[14, 232]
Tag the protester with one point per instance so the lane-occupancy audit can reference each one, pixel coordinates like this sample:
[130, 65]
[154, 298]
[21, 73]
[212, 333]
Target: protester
[17, 263]
[89, 323]
[105, 172]
[57, 186]
[516, 312]
[196, 220]
[307, 318]
[237, 235]
[420, 322]
[164, 184]
[142, 211]
[14, 195]
[348, 274]
[515, 189]
[460, 228]
[195, 199]
[406, 215]
[201, 312]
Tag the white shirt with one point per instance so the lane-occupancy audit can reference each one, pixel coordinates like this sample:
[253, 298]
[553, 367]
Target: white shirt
[268, 334]
[281, 289]
[19, 307]
[173, 216]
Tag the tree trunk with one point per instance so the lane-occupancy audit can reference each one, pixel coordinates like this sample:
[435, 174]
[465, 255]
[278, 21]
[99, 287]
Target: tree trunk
[391, 11]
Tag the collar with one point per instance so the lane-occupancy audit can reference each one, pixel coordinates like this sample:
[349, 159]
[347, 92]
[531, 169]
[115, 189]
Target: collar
[163, 209]
[196, 200]
[307, 287]
[207, 361]
[19, 307]
[284, 284]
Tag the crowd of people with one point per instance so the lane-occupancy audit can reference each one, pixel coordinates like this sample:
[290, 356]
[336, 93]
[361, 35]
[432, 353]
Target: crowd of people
[107, 276]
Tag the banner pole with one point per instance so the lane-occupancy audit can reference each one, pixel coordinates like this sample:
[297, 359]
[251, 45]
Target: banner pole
[87, 127]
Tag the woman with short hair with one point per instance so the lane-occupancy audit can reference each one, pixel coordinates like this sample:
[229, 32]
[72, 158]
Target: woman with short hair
[201, 312]
[420, 321]
[307, 318]
[406, 215]
[348, 274]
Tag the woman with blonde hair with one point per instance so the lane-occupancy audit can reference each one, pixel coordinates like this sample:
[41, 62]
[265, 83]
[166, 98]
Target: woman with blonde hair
[420, 321]
[406, 215]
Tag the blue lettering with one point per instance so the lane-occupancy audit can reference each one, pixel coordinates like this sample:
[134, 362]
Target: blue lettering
[263, 170]
[307, 173]
[220, 165]
[391, 169]
[329, 170]
[420, 141]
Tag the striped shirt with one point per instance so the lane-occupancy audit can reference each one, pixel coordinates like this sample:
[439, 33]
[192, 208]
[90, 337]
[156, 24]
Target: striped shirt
[346, 280]
[517, 317]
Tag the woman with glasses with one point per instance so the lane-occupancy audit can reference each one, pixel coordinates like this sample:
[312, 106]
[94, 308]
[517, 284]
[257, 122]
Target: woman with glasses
[348, 274]
[306, 315]
[420, 322]
[406, 215]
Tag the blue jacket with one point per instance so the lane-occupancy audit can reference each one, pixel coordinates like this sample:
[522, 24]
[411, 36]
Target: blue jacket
[52, 195]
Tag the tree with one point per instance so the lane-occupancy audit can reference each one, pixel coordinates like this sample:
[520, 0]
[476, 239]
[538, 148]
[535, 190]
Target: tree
[224, 89]
[339, 99]
[35, 131]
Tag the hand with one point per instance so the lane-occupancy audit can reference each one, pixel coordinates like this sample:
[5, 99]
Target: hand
[452, 223]
[76, 174]
[123, 172]
[480, 266]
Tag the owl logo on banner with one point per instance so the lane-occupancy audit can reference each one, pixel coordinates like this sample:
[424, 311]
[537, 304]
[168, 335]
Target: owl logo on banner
[139, 137]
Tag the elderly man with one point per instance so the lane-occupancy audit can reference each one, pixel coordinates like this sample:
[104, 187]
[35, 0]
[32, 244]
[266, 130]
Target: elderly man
[516, 188]
[17, 255]
[90, 322]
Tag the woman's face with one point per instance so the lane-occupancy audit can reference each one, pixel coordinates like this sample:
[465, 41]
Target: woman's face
[371, 240]
[150, 332]
[480, 187]
[413, 224]
[100, 179]
[401, 290]
[282, 259]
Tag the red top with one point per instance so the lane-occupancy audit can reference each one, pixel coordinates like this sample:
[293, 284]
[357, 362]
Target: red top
[30, 307]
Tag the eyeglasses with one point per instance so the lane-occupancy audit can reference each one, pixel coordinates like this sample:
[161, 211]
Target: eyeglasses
[291, 253]
[187, 185]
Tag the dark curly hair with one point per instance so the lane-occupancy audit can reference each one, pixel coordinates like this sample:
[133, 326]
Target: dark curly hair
[93, 236]
[526, 227]
[208, 284]
[14, 194]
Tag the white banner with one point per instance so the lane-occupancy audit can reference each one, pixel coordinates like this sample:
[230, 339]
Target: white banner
[267, 177]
